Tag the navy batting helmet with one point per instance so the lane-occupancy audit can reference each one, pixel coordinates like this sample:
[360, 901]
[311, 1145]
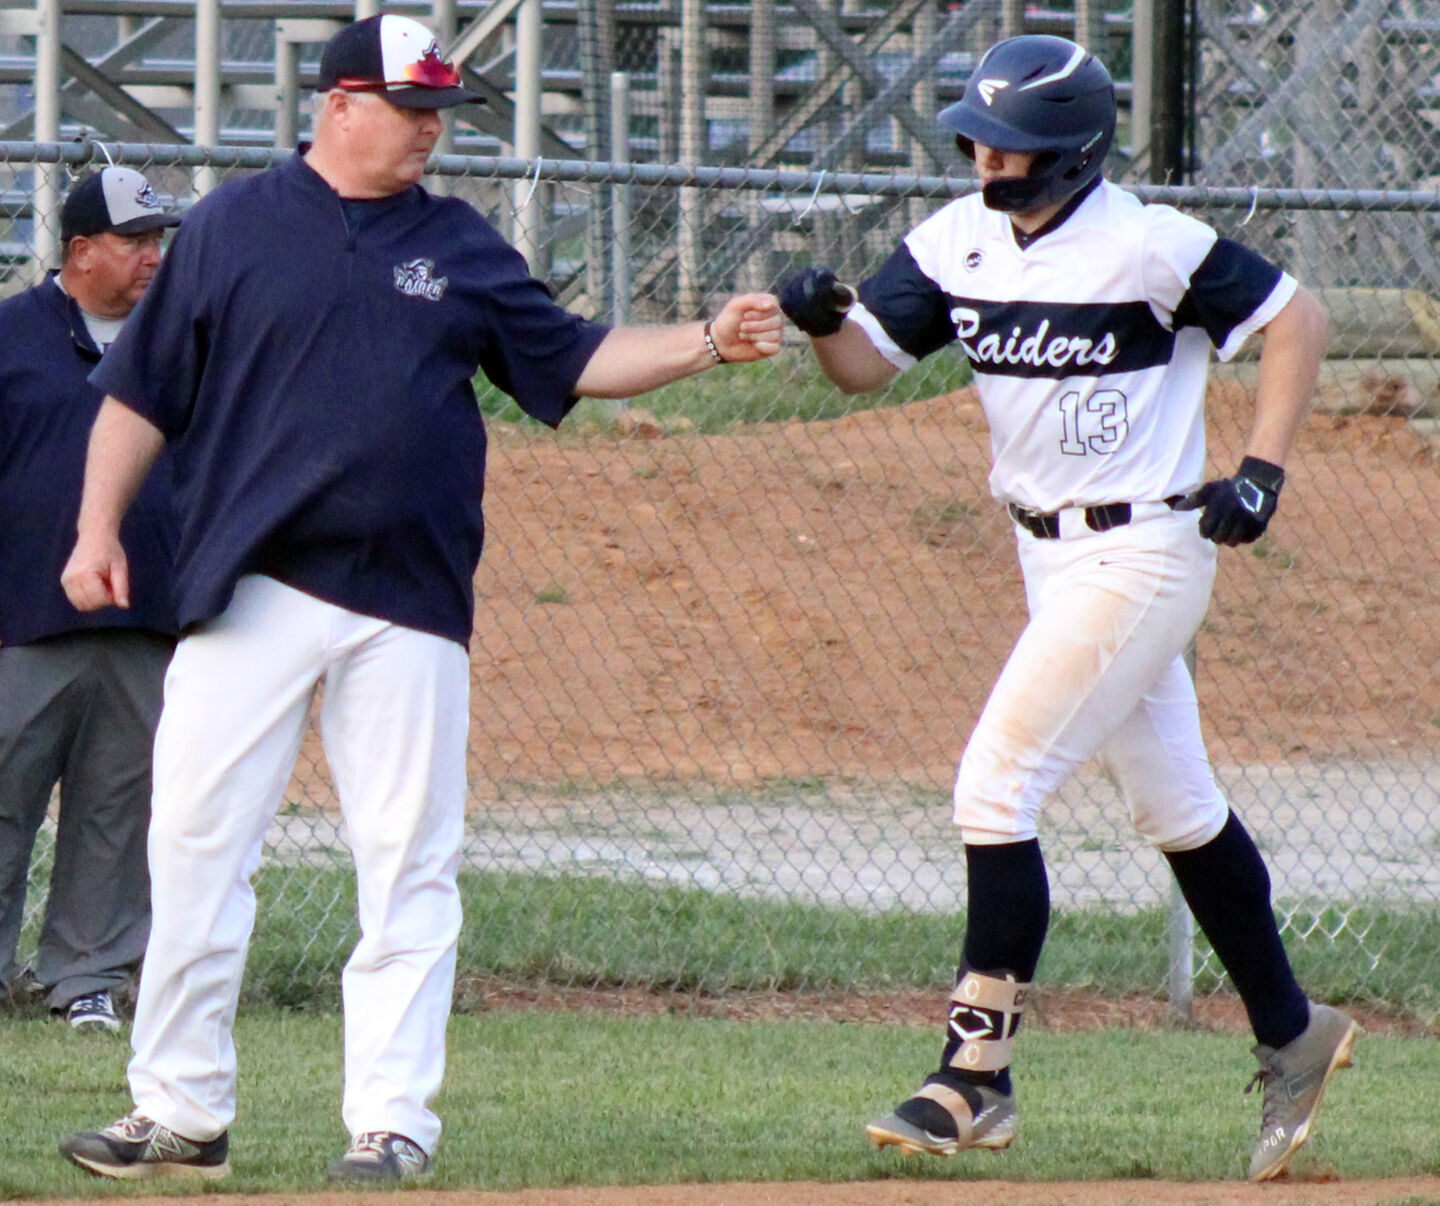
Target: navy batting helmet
[1043, 94]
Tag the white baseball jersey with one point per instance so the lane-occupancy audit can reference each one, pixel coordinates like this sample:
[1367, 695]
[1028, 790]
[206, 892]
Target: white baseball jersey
[1090, 342]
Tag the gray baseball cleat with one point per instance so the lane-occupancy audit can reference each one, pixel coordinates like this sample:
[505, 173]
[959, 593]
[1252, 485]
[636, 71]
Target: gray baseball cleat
[942, 1119]
[1293, 1079]
[138, 1148]
[380, 1156]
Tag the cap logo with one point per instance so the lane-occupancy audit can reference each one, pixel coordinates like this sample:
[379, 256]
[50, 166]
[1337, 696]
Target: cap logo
[416, 278]
[432, 71]
[147, 197]
[988, 89]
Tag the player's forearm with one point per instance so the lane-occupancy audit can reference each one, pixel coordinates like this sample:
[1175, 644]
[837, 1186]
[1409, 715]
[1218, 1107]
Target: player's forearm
[851, 361]
[123, 446]
[1295, 343]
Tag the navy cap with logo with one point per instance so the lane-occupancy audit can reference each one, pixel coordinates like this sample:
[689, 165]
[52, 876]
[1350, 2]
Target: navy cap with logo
[396, 58]
[116, 200]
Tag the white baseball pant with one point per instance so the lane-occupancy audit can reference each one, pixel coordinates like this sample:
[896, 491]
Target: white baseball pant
[394, 724]
[1099, 670]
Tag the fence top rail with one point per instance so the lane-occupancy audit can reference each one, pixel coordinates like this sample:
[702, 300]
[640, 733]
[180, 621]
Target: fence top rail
[799, 183]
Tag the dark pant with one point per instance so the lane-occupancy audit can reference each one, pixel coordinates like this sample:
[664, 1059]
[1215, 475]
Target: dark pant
[79, 710]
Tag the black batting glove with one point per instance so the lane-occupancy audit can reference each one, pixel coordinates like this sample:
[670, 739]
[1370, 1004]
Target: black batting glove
[1236, 510]
[808, 299]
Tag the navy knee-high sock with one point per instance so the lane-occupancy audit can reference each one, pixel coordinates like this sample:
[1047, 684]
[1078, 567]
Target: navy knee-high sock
[1009, 912]
[1009, 908]
[1227, 887]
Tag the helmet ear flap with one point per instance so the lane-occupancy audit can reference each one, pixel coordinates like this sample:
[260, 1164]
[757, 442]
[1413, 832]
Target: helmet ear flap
[1082, 165]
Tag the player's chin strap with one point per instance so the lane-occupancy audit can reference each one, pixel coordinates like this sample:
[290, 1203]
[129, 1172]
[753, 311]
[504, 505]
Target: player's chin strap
[985, 1012]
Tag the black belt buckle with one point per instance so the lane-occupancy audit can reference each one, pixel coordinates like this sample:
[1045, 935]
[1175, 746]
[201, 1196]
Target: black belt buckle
[1043, 525]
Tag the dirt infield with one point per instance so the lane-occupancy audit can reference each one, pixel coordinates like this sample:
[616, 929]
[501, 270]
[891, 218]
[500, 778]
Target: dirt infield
[834, 599]
[895, 1193]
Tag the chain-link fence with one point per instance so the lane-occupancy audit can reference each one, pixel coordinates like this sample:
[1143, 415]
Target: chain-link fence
[730, 638]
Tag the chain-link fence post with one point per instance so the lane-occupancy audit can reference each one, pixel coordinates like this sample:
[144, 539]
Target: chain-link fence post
[529, 36]
[621, 217]
[207, 88]
[45, 205]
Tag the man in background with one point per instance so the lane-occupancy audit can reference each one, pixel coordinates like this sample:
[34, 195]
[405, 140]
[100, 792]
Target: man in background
[79, 691]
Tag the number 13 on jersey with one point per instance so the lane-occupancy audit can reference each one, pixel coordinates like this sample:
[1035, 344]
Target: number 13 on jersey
[1097, 423]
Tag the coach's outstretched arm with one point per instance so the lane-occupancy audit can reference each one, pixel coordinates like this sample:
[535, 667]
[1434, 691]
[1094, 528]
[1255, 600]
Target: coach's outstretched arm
[123, 446]
[1237, 509]
[634, 360]
[844, 352]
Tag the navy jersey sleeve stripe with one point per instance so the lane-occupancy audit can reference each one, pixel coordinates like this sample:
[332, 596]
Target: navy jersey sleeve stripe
[912, 308]
[1231, 283]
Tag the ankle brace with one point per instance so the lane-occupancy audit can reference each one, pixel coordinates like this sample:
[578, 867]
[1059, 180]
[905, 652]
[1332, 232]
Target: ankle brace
[985, 1012]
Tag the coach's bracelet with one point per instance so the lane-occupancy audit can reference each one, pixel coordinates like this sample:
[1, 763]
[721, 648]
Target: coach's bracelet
[711, 348]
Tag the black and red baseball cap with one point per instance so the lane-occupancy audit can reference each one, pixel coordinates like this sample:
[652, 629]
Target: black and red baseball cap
[396, 58]
[116, 200]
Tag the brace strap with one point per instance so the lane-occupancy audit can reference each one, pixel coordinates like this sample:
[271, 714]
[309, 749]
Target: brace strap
[955, 1105]
[989, 1050]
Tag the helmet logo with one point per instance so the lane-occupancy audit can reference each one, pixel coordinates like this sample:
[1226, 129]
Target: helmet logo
[988, 89]
[1077, 57]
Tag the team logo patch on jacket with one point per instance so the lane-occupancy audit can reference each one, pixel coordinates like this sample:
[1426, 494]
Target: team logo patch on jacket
[416, 278]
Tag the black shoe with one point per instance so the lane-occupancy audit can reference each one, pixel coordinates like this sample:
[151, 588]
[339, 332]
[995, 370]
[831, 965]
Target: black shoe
[380, 1156]
[136, 1148]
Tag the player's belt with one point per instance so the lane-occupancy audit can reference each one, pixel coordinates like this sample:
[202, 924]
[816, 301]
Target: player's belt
[1045, 525]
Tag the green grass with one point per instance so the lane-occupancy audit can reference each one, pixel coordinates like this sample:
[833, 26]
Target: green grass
[788, 386]
[537, 1099]
[595, 931]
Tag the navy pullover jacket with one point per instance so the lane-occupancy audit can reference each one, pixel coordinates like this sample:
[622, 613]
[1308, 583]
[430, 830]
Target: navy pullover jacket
[47, 407]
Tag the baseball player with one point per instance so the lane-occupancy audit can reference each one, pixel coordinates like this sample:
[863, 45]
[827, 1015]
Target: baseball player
[79, 692]
[307, 351]
[1088, 320]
